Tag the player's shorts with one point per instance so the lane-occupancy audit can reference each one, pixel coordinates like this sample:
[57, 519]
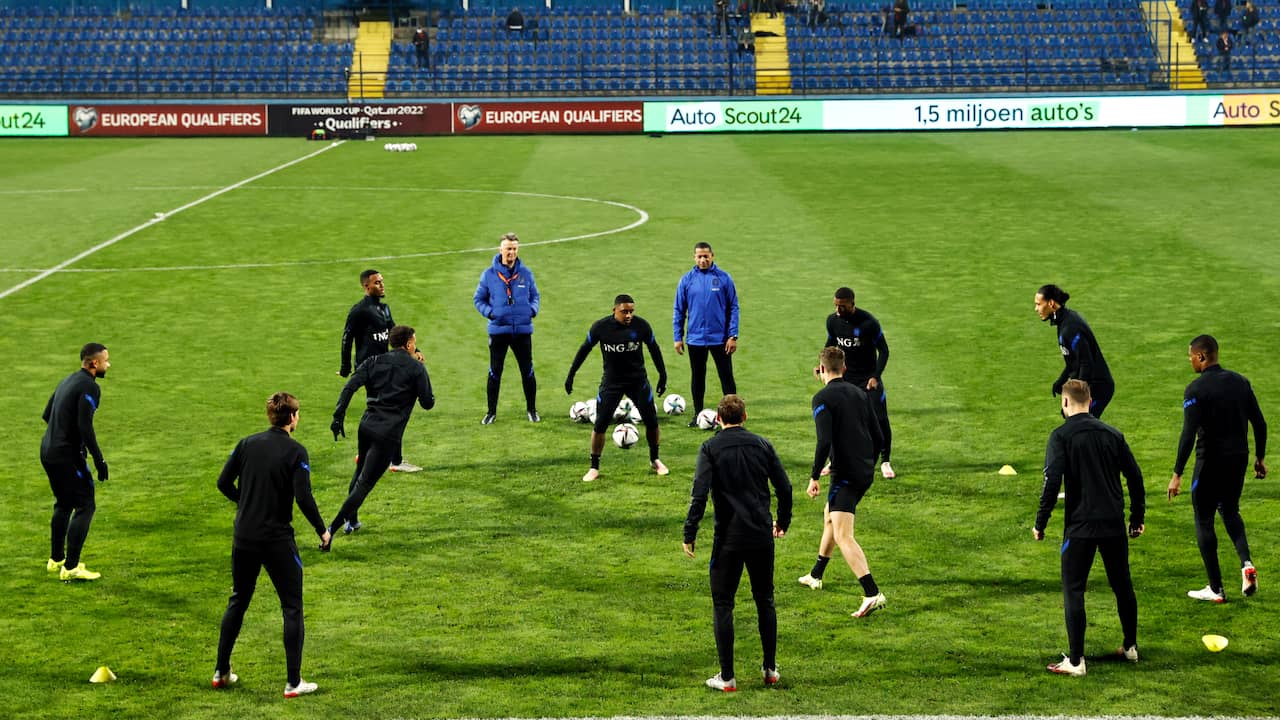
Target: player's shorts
[610, 395]
[845, 498]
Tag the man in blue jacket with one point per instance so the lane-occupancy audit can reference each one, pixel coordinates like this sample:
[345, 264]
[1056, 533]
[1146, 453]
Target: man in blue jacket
[708, 300]
[509, 298]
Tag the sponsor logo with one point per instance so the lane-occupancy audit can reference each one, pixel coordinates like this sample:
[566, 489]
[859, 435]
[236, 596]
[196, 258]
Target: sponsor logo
[620, 347]
[86, 118]
[469, 116]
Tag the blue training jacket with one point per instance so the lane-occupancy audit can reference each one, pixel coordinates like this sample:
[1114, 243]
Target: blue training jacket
[510, 303]
[710, 302]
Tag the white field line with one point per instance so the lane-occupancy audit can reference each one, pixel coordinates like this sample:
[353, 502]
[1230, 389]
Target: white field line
[160, 218]
[643, 218]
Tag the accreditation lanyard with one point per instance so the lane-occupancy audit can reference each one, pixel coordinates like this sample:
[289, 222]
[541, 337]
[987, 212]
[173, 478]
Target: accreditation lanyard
[507, 281]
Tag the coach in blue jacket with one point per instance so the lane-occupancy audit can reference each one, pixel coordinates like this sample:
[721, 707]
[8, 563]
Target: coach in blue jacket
[708, 301]
[509, 298]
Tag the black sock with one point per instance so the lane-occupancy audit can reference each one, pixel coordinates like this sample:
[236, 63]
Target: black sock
[819, 567]
[595, 461]
[869, 587]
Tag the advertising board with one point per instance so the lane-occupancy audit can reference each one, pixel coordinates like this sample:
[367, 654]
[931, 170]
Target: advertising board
[547, 117]
[166, 120]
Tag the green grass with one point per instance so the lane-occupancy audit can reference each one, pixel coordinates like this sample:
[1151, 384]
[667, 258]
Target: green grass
[495, 583]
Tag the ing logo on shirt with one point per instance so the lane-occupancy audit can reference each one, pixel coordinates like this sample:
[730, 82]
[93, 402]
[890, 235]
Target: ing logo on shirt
[620, 347]
[847, 342]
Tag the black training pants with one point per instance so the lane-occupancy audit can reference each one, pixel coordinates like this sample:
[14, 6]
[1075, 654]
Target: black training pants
[726, 572]
[522, 347]
[284, 567]
[698, 372]
[73, 508]
[1216, 486]
[375, 457]
[1077, 559]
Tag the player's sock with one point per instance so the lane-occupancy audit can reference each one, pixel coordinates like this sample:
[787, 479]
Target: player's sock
[653, 447]
[819, 567]
[595, 461]
[869, 587]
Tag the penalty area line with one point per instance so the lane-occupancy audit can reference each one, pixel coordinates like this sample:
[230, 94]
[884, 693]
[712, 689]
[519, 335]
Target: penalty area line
[160, 217]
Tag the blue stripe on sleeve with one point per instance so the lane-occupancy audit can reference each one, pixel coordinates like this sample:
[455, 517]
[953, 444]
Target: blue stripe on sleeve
[819, 409]
[89, 397]
[1074, 341]
[1188, 403]
[306, 467]
[1065, 543]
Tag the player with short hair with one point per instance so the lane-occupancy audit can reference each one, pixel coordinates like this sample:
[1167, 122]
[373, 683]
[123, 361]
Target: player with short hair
[708, 300]
[622, 337]
[849, 438]
[1080, 351]
[857, 332]
[508, 297]
[1217, 409]
[274, 473]
[1089, 456]
[735, 468]
[368, 328]
[393, 382]
[67, 440]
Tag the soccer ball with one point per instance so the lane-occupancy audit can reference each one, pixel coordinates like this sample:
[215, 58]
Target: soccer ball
[707, 419]
[633, 415]
[579, 412]
[623, 411]
[626, 436]
[673, 405]
[591, 411]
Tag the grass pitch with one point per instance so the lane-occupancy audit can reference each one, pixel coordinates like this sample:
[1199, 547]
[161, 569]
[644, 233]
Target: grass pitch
[495, 583]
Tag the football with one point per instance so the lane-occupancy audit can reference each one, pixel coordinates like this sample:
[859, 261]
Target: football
[633, 416]
[673, 404]
[623, 411]
[580, 412]
[707, 419]
[591, 411]
[625, 436]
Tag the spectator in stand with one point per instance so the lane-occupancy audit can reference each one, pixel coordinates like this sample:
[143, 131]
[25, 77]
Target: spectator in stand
[1225, 45]
[901, 10]
[515, 21]
[812, 10]
[1222, 8]
[1248, 21]
[722, 18]
[1200, 18]
[422, 45]
[746, 40]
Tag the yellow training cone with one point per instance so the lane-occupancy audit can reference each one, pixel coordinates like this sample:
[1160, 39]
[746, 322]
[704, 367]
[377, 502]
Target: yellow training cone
[102, 675]
[1215, 643]
[1007, 470]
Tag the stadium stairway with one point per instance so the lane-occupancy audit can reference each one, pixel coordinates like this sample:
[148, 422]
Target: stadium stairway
[773, 67]
[369, 61]
[1177, 51]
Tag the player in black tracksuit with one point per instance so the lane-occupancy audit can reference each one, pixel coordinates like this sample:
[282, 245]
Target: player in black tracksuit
[68, 439]
[368, 325]
[368, 328]
[1218, 408]
[736, 468]
[393, 382]
[866, 354]
[622, 338]
[1090, 456]
[1081, 354]
[274, 473]
[849, 438]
